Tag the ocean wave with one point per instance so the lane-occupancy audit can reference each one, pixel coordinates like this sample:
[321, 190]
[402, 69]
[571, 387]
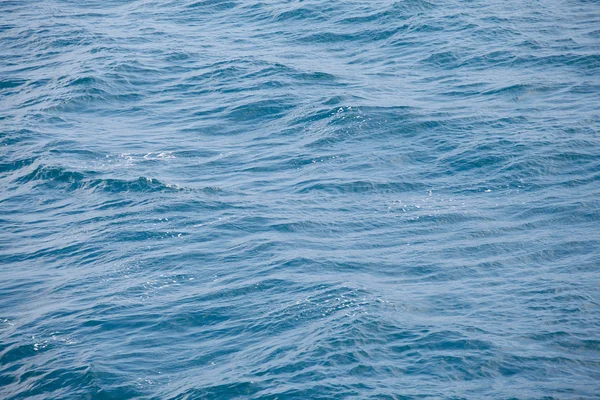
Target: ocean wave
[62, 178]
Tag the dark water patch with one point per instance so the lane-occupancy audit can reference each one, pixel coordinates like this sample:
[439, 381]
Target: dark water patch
[213, 5]
[15, 165]
[358, 187]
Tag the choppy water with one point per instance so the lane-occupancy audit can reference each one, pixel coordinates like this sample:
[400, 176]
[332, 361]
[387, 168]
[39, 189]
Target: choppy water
[299, 199]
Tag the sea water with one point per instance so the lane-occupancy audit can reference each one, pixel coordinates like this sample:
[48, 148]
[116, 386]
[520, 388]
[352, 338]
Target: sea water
[281, 199]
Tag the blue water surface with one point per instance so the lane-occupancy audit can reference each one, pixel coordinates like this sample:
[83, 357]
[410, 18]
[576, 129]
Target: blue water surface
[287, 199]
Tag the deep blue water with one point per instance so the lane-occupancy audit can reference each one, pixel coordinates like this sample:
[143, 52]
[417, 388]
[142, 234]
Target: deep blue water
[299, 199]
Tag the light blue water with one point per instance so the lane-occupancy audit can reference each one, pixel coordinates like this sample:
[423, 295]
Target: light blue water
[299, 199]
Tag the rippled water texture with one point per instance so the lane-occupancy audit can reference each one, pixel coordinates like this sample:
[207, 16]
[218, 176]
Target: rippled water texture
[299, 199]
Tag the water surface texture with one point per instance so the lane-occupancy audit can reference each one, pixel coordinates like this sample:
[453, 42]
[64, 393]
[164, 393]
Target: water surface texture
[299, 199]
